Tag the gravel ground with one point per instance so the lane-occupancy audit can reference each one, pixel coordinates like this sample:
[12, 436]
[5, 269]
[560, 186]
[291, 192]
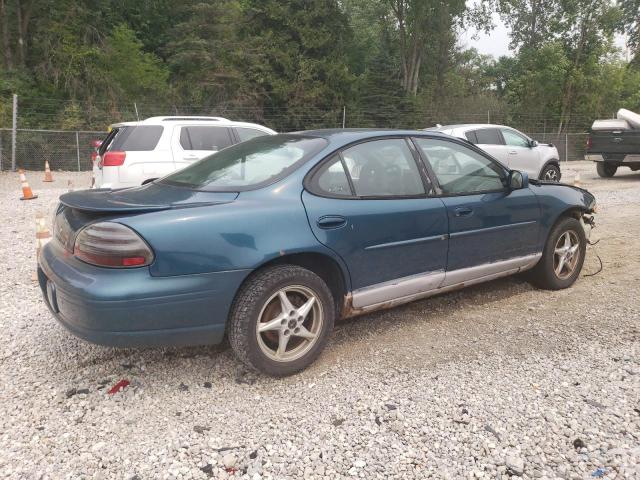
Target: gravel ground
[494, 381]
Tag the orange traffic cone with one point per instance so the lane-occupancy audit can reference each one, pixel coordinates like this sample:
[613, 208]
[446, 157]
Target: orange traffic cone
[27, 194]
[47, 172]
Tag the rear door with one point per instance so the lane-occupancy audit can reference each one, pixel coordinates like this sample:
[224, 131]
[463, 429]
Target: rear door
[194, 142]
[371, 204]
[490, 140]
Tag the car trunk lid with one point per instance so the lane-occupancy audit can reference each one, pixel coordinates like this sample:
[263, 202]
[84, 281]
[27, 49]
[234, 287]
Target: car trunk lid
[146, 198]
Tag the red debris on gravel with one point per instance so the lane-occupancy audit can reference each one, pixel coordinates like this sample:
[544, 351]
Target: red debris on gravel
[118, 387]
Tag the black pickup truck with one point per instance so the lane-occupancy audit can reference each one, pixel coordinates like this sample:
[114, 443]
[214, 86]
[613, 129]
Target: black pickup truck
[615, 143]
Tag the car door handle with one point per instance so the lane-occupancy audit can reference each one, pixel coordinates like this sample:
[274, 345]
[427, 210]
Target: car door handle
[512, 152]
[464, 211]
[331, 221]
[190, 157]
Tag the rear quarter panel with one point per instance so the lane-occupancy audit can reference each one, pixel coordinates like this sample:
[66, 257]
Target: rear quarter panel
[258, 227]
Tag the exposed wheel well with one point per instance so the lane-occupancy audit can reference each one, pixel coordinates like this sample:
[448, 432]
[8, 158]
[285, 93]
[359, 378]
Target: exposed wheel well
[572, 212]
[323, 266]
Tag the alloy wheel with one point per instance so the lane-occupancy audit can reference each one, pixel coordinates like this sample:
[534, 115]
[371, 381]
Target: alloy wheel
[566, 254]
[289, 323]
[551, 175]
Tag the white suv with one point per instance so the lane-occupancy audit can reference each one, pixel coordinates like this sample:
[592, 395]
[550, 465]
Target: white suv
[135, 153]
[513, 148]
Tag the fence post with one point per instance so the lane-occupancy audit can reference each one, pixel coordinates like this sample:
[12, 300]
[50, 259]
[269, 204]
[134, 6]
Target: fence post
[566, 147]
[78, 149]
[14, 128]
[488, 116]
[344, 115]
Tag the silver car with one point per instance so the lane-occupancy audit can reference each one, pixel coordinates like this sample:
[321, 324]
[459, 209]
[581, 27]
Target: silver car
[513, 148]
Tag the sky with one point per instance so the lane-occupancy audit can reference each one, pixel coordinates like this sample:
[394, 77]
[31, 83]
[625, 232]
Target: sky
[496, 43]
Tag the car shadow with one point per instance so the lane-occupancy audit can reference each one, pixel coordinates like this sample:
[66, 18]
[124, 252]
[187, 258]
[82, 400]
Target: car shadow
[153, 364]
[432, 307]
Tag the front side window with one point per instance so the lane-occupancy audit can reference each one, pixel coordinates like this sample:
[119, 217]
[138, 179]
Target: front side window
[383, 168]
[249, 164]
[202, 137]
[514, 139]
[459, 169]
[488, 136]
[245, 134]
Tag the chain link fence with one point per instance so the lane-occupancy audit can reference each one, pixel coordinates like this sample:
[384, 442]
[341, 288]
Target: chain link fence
[71, 150]
[571, 146]
[64, 150]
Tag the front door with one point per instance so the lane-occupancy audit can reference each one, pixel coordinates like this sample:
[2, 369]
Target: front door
[370, 205]
[520, 153]
[491, 228]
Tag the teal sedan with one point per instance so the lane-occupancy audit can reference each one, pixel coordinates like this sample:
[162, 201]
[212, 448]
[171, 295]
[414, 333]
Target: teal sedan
[272, 240]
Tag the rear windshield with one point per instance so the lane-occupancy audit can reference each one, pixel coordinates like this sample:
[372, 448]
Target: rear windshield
[247, 165]
[136, 138]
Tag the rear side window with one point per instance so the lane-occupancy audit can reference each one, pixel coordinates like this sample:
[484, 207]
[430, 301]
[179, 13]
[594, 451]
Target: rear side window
[383, 168]
[488, 136]
[332, 179]
[137, 138]
[200, 137]
[245, 134]
[471, 136]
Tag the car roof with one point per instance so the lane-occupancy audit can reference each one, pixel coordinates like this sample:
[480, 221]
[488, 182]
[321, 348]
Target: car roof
[172, 120]
[348, 134]
[466, 126]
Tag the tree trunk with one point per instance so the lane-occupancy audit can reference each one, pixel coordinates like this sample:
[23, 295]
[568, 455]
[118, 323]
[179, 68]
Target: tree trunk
[24, 17]
[567, 98]
[6, 45]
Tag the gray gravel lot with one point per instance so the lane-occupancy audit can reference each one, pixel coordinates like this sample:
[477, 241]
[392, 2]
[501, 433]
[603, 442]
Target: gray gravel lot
[494, 381]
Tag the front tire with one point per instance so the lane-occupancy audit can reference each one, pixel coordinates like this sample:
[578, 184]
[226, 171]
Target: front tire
[562, 257]
[550, 173]
[606, 170]
[281, 320]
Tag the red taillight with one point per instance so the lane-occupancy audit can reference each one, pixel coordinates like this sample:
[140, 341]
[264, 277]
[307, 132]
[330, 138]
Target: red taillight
[110, 244]
[113, 159]
[589, 142]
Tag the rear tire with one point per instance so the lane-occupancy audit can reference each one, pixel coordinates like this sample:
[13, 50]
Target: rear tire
[562, 257]
[550, 173]
[281, 320]
[606, 170]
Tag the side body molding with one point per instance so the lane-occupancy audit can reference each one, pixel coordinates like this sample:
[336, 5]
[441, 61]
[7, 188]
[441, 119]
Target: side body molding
[404, 290]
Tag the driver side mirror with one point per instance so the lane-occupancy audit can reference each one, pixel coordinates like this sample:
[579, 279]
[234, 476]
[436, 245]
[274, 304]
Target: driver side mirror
[533, 143]
[517, 180]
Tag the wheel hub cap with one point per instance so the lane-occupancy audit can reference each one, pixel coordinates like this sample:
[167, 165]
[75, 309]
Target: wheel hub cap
[566, 254]
[289, 324]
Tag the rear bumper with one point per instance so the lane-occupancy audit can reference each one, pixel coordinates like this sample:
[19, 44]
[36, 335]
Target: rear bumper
[128, 308]
[598, 157]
